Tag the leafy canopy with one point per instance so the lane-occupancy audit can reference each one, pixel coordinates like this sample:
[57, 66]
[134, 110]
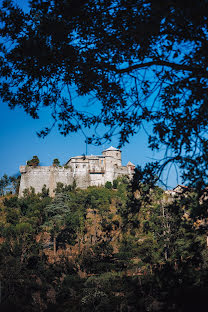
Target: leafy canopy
[141, 61]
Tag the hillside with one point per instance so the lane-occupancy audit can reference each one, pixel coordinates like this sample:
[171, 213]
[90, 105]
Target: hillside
[122, 247]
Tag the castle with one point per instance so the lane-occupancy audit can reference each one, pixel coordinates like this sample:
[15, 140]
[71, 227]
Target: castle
[84, 170]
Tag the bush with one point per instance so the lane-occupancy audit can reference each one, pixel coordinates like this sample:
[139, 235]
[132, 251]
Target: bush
[34, 162]
[56, 162]
[108, 185]
[115, 184]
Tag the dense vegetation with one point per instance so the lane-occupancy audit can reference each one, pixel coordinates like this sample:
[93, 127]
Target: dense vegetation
[114, 66]
[122, 247]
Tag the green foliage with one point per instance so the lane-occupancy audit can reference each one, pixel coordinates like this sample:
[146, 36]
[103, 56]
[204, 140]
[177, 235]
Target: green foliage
[108, 185]
[129, 248]
[58, 209]
[99, 199]
[20, 264]
[34, 162]
[65, 215]
[9, 184]
[45, 191]
[4, 182]
[30, 207]
[61, 188]
[97, 260]
[56, 214]
[148, 251]
[56, 162]
[12, 215]
[153, 38]
[23, 228]
[115, 184]
[121, 194]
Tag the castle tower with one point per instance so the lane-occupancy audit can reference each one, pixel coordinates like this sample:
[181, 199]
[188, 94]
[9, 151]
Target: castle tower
[85, 170]
[112, 155]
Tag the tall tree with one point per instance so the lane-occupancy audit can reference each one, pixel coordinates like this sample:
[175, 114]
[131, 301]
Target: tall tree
[4, 183]
[143, 61]
[56, 214]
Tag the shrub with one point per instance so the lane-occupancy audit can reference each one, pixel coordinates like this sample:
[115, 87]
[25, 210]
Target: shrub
[56, 162]
[108, 185]
[34, 162]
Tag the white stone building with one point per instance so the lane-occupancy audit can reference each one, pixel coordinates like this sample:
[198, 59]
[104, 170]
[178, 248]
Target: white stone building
[85, 170]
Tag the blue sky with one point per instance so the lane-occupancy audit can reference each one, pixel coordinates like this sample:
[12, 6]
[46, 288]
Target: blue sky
[19, 142]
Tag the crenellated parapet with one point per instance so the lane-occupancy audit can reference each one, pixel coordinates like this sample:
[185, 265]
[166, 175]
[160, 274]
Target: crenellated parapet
[89, 170]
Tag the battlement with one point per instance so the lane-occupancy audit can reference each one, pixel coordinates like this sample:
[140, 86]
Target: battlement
[89, 170]
[36, 169]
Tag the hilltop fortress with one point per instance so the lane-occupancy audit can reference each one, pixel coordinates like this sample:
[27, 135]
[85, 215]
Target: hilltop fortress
[84, 170]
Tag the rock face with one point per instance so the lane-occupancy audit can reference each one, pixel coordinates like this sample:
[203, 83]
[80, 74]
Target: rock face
[85, 170]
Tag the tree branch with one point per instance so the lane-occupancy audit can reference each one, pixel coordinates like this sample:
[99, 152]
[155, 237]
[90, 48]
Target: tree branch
[159, 63]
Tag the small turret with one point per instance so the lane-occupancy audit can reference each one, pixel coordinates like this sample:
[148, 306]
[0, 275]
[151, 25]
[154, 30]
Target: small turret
[114, 154]
[131, 167]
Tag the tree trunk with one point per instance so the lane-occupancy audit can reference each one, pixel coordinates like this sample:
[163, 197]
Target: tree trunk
[95, 227]
[164, 233]
[54, 245]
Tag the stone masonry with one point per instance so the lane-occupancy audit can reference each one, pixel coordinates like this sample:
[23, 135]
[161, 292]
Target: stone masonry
[84, 170]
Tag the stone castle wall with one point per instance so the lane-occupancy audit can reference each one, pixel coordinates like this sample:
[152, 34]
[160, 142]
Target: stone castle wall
[47, 175]
[85, 171]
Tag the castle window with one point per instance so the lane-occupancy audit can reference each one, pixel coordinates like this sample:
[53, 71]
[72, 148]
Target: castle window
[84, 166]
[77, 166]
[117, 154]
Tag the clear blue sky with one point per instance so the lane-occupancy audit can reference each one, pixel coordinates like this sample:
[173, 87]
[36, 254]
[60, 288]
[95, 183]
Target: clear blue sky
[19, 142]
